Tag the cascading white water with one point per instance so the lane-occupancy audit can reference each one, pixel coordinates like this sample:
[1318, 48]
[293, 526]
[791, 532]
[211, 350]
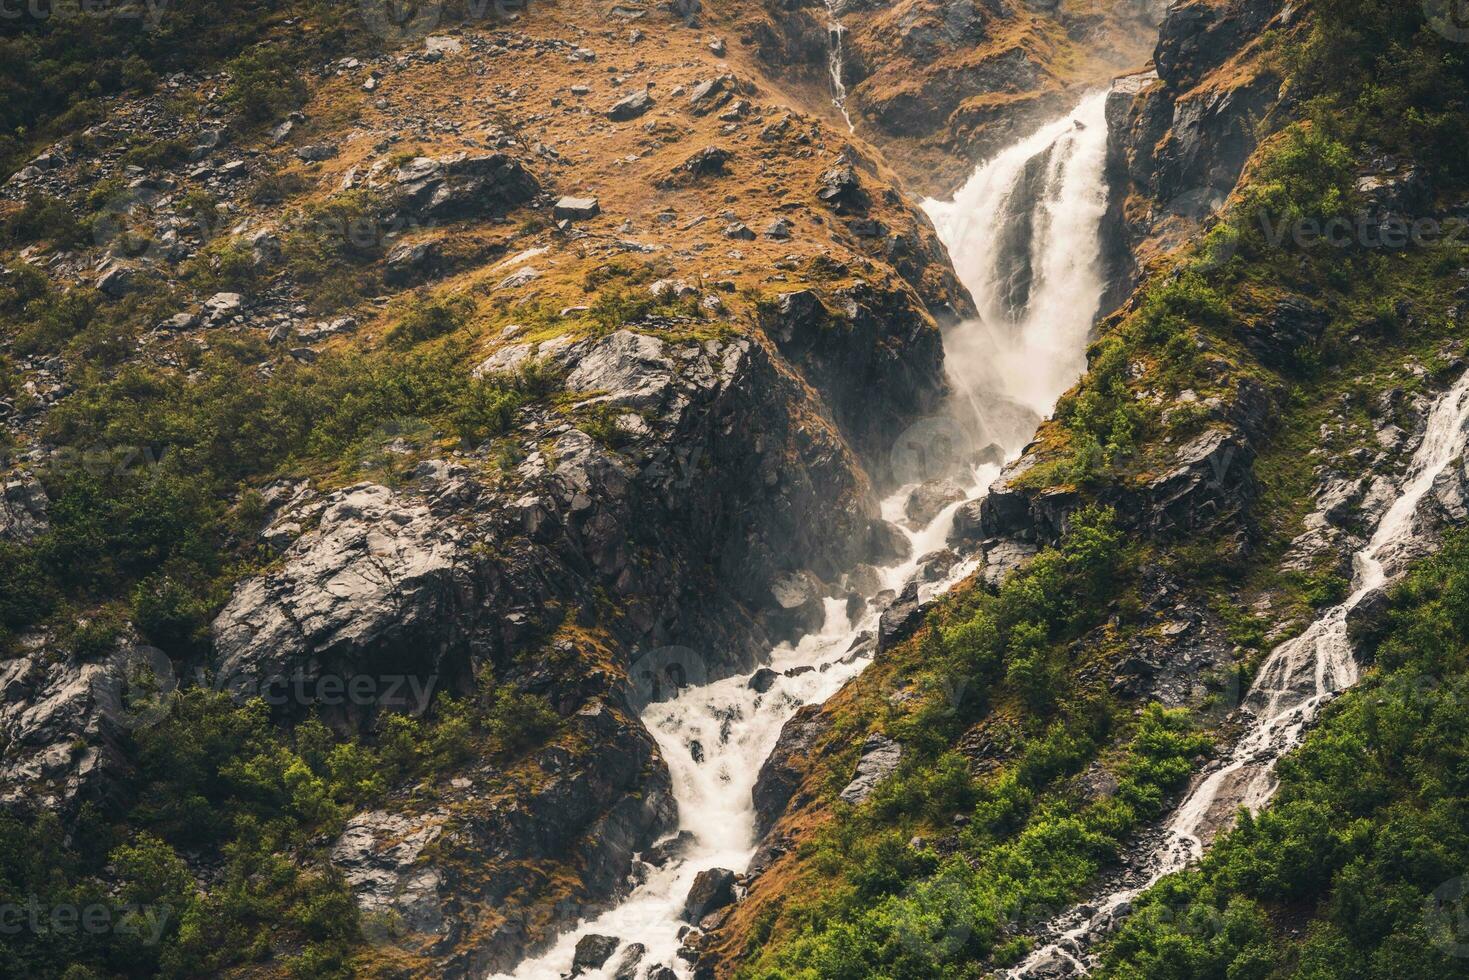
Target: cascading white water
[1297, 679]
[736, 727]
[834, 34]
[1024, 356]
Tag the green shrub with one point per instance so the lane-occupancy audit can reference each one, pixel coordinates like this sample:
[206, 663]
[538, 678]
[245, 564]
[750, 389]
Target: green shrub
[43, 218]
[429, 319]
[265, 83]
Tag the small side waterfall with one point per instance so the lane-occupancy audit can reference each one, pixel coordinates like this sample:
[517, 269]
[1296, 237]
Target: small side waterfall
[1297, 679]
[1010, 367]
[834, 34]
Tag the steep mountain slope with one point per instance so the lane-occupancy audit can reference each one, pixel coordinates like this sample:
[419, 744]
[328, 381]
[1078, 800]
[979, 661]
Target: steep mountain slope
[397, 401]
[1031, 772]
[459, 376]
[941, 85]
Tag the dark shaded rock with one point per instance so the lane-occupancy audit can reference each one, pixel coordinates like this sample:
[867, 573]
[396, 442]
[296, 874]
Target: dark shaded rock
[763, 680]
[842, 344]
[117, 279]
[1294, 327]
[900, 620]
[710, 95]
[631, 107]
[968, 527]
[1395, 188]
[841, 187]
[782, 772]
[632, 958]
[886, 543]
[1197, 37]
[936, 565]
[411, 262]
[712, 889]
[711, 161]
[462, 186]
[1368, 621]
[1212, 482]
[592, 951]
[929, 499]
[668, 850]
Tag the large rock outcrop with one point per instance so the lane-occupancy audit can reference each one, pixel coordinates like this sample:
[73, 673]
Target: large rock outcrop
[1181, 132]
[729, 479]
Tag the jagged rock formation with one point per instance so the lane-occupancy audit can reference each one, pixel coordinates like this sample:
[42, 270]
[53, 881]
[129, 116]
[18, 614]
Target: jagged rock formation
[1182, 130]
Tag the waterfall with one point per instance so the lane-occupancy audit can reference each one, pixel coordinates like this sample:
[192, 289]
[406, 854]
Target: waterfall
[1297, 679]
[834, 33]
[1025, 236]
[1010, 366]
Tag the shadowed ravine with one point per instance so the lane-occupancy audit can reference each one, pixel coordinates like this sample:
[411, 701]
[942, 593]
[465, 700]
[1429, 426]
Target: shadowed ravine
[1007, 369]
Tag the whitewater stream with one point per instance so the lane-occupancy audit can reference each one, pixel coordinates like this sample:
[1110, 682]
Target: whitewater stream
[1007, 369]
[834, 33]
[1296, 680]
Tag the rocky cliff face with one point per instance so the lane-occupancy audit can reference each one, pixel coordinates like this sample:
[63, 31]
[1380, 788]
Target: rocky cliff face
[944, 85]
[701, 475]
[1182, 130]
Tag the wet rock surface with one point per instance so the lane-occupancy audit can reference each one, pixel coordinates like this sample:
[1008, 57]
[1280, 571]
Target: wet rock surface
[784, 769]
[712, 890]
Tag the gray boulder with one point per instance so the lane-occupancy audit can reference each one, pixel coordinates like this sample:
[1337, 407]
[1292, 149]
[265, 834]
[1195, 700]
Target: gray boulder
[880, 757]
[929, 499]
[411, 261]
[380, 855]
[462, 186]
[577, 208]
[592, 951]
[23, 506]
[631, 106]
